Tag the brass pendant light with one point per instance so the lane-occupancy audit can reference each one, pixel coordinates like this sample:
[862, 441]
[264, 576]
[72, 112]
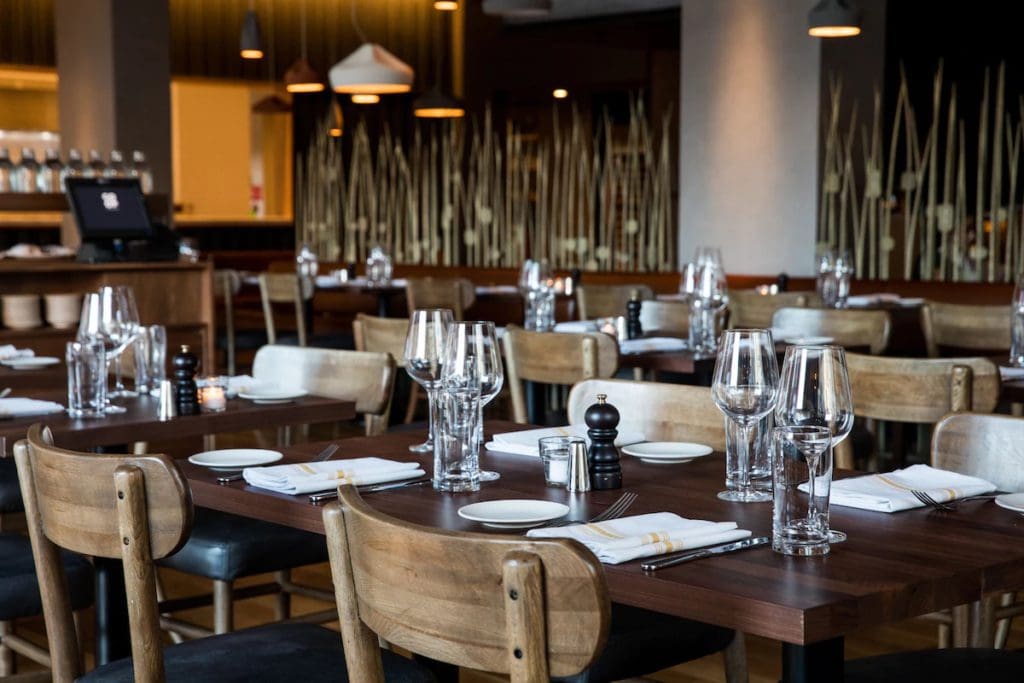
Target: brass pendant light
[301, 77]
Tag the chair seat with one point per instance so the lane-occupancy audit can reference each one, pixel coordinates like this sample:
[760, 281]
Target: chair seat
[10, 491]
[938, 666]
[225, 547]
[280, 652]
[642, 642]
[19, 589]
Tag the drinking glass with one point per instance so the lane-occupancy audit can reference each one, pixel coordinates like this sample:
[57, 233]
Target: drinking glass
[802, 478]
[826, 284]
[814, 389]
[456, 439]
[710, 296]
[744, 388]
[87, 378]
[532, 274]
[708, 256]
[844, 271]
[155, 337]
[120, 317]
[476, 341]
[1017, 324]
[554, 453]
[99, 322]
[424, 345]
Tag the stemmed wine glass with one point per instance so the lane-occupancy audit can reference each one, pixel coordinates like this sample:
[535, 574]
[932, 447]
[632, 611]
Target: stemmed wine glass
[108, 317]
[125, 323]
[814, 390]
[745, 387]
[710, 296]
[424, 345]
[478, 340]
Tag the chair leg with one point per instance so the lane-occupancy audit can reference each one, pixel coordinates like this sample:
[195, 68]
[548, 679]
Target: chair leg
[223, 607]
[961, 626]
[735, 656]
[1003, 627]
[209, 442]
[944, 633]
[414, 399]
[283, 600]
[6, 653]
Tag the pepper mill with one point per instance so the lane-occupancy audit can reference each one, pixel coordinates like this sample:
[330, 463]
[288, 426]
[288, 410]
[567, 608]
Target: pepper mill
[602, 421]
[186, 394]
[633, 328]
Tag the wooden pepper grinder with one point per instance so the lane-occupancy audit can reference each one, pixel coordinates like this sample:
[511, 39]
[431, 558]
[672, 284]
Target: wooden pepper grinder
[186, 394]
[602, 421]
[633, 328]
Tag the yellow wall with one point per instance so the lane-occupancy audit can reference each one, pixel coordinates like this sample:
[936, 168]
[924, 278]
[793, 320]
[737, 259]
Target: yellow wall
[28, 110]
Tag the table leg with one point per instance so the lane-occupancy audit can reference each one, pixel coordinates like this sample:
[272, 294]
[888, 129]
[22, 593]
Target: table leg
[384, 304]
[536, 403]
[113, 635]
[815, 662]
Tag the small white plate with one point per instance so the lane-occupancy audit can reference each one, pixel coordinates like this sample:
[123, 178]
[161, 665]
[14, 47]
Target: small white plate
[234, 458]
[30, 362]
[667, 452]
[513, 513]
[268, 396]
[808, 341]
[1011, 501]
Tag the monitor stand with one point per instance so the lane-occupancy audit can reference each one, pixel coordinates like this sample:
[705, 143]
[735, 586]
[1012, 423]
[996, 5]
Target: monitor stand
[100, 251]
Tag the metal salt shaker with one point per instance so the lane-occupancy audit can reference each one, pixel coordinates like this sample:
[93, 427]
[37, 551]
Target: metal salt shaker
[167, 407]
[579, 468]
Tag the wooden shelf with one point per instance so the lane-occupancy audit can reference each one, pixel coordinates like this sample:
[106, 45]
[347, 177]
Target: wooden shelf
[24, 202]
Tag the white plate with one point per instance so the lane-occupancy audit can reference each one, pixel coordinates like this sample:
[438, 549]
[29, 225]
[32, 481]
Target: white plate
[513, 513]
[234, 458]
[273, 395]
[667, 452]
[808, 341]
[30, 362]
[1011, 501]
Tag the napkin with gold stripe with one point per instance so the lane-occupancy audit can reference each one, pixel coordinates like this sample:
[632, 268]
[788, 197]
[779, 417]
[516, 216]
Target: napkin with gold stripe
[891, 491]
[630, 538]
[311, 477]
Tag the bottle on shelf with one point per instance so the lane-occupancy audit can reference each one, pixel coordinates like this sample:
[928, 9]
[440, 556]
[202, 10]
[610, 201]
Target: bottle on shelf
[75, 168]
[116, 167]
[95, 168]
[51, 174]
[26, 173]
[140, 169]
[6, 171]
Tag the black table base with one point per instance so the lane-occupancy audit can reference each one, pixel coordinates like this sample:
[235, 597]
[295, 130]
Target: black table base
[810, 663]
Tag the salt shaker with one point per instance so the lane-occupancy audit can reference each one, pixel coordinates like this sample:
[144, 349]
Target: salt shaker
[186, 393]
[602, 420]
[579, 468]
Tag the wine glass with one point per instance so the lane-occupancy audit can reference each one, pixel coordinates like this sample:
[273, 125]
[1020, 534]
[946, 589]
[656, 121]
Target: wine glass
[814, 390]
[477, 340]
[124, 321]
[424, 344]
[533, 275]
[744, 388]
[710, 296]
[708, 256]
[100, 321]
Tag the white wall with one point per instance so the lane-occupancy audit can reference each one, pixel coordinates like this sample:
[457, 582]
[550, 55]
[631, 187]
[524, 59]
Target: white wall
[749, 134]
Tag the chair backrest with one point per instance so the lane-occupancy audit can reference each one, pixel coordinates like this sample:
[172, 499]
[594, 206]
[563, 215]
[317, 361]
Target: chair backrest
[381, 335]
[665, 316]
[659, 411]
[921, 389]
[750, 308]
[850, 328]
[278, 288]
[458, 294]
[533, 609]
[361, 376]
[226, 285]
[965, 328]
[135, 508]
[600, 301]
[554, 358]
[986, 446]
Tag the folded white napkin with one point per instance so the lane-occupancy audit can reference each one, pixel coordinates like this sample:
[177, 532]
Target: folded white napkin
[496, 289]
[1010, 373]
[24, 407]
[246, 383]
[310, 477]
[577, 326]
[525, 442]
[629, 538]
[328, 282]
[891, 492]
[9, 352]
[628, 346]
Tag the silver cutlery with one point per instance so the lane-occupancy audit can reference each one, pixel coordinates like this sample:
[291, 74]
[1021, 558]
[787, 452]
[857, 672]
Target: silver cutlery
[325, 454]
[700, 553]
[369, 488]
[5, 393]
[614, 511]
[931, 502]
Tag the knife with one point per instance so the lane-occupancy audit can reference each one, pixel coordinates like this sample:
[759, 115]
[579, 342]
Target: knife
[700, 553]
[325, 454]
[369, 488]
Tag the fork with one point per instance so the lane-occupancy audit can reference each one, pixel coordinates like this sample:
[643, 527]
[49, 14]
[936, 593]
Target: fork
[325, 454]
[614, 511]
[925, 498]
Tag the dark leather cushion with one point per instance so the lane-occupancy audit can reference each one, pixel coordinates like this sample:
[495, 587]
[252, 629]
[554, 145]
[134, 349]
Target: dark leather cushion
[19, 590]
[270, 654]
[642, 642]
[225, 547]
[10, 492]
[937, 666]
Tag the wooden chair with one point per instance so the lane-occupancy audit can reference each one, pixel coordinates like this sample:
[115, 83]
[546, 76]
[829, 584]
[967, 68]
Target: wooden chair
[554, 358]
[750, 308]
[601, 301]
[666, 317]
[226, 285]
[659, 411]
[533, 609]
[850, 328]
[458, 294]
[386, 335]
[283, 288]
[963, 329]
[138, 509]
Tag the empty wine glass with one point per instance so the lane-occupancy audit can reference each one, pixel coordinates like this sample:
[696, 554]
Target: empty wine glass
[102, 320]
[124, 321]
[814, 390]
[533, 275]
[710, 296]
[745, 387]
[478, 340]
[424, 345]
[708, 256]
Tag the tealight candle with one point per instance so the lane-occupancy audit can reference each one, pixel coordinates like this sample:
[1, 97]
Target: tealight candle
[213, 395]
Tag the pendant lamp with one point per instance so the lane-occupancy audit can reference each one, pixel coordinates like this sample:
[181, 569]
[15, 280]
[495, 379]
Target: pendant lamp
[301, 77]
[370, 69]
[518, 8]
[834, 19]
[251, 44]
[435, 104]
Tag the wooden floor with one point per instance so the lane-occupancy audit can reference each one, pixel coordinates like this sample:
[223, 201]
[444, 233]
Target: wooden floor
[763, 655]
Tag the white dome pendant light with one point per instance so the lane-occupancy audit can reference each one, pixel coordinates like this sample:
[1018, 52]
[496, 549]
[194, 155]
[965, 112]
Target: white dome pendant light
[370, 69]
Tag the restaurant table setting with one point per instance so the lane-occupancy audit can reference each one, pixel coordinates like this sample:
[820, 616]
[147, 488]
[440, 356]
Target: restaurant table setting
[893, 491]
[26, 407]
[526, 442]
[322, 476]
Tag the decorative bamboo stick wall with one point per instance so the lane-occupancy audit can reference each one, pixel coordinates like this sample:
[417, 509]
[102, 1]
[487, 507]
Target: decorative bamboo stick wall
[465, 194]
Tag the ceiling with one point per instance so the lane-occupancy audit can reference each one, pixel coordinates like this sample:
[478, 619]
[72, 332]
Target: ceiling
[565, 10]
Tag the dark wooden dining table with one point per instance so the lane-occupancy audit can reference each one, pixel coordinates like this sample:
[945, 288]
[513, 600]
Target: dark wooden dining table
[893, 567]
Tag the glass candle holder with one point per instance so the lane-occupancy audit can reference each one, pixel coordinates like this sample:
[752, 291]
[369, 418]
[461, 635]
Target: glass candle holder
[213, 394]
[554, 453]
